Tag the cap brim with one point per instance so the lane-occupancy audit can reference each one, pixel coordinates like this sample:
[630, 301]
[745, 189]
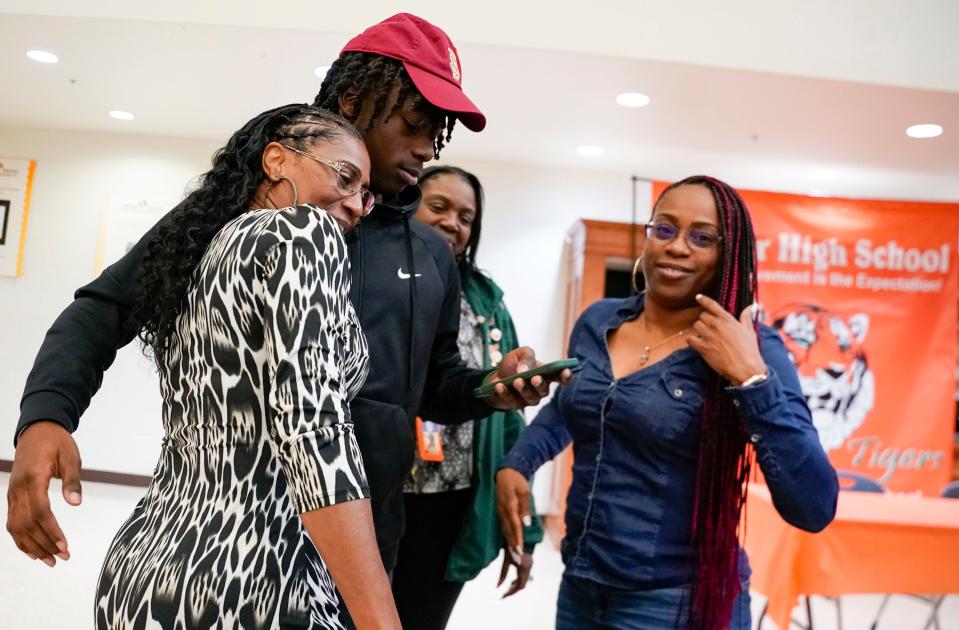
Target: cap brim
[447, 96]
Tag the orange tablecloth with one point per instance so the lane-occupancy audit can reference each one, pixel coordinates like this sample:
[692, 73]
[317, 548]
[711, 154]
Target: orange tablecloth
[877, 544]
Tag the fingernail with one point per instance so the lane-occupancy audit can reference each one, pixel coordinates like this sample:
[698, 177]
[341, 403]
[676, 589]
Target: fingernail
[699, 296]
[527, 521]
[31, 556]
[63, 556]
[50, 562]
[75, 498]
[522, 367]
[62, 546]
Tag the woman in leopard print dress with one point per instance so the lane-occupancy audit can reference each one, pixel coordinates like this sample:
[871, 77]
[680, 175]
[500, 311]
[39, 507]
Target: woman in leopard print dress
[246, 310]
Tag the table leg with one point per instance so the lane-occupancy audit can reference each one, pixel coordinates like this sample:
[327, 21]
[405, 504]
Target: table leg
[933, 621]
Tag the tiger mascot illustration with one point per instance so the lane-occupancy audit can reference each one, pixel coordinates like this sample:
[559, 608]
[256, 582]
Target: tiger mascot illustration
[837, 383]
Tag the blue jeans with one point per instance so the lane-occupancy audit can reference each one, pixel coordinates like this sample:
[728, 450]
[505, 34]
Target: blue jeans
[587, 605]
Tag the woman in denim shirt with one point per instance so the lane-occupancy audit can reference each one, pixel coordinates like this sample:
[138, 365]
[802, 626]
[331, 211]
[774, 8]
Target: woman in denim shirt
[674, 398]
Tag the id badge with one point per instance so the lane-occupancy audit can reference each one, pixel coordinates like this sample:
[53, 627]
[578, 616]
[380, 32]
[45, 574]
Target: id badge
[429, 440]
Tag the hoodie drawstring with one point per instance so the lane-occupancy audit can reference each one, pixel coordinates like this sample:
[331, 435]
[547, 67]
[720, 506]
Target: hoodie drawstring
[411, 270]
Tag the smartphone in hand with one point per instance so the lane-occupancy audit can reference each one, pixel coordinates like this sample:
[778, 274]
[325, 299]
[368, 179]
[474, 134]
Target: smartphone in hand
[546, 370]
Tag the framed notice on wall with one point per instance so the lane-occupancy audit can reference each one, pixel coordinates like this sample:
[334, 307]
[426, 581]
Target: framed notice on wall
[16, 179]
[126, 220]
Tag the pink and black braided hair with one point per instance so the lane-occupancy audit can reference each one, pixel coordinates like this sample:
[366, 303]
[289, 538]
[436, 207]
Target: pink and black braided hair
[725, 458]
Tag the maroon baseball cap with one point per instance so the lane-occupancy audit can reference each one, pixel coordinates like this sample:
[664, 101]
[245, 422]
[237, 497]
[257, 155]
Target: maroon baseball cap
[430, 58]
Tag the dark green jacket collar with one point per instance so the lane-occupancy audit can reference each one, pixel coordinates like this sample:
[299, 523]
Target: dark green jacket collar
[480, 541]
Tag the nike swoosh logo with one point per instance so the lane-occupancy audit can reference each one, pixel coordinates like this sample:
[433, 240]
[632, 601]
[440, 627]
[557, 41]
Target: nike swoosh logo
[404, 276]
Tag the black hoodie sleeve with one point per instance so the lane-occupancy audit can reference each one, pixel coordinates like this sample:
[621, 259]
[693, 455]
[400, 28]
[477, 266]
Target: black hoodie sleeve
[81, 344]
[448, 396]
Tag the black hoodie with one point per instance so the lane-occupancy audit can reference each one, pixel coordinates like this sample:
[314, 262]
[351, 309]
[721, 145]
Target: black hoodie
[406, 292]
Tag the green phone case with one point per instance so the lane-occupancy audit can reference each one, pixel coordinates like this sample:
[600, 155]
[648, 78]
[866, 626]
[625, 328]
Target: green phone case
[547, 368]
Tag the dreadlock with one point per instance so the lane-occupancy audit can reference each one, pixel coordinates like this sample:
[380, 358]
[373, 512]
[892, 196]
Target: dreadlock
[374, 76]
[725, 456]
[467, 260]
[223, 193]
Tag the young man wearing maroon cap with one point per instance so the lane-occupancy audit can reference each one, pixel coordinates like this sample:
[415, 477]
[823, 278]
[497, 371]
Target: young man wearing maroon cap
[399, 83]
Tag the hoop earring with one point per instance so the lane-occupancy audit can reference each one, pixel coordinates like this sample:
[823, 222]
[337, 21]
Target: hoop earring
[292, 185]
[632, 278]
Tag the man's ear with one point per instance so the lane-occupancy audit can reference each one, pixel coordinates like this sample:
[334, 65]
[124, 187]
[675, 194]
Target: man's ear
[349, 103]
[274, 160]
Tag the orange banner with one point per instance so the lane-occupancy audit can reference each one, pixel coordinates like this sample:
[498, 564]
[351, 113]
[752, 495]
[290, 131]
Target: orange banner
[864, 294]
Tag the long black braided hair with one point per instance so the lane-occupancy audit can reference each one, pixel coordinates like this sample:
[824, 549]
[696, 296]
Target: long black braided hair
[725, 456]
[223, 193]
[374, 76]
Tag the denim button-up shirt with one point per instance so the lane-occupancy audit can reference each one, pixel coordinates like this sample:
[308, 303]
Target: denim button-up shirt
[630, 505]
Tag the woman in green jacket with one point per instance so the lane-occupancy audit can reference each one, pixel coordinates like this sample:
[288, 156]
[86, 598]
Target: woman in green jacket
[452, 531]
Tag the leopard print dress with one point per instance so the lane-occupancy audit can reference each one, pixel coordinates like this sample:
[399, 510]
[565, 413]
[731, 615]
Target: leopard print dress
[266, 356]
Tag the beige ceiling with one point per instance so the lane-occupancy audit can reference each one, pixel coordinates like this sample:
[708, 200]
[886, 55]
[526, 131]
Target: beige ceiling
[909, 43]
[755, 93]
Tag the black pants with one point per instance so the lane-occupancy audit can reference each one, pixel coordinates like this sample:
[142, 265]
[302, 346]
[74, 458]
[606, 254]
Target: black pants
[423, 597]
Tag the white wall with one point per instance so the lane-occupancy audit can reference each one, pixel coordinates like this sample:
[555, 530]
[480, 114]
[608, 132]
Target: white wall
[75, 176]
[529, 210]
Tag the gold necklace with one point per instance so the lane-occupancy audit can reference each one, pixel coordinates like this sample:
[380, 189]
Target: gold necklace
[644, 357]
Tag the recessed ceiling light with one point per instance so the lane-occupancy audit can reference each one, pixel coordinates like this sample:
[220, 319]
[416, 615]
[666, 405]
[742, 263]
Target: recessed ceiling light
[42, 56]
[119, 114]
[588, 150]
[927, 130]
[823, 175]
[321, 71]
[632, 99]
